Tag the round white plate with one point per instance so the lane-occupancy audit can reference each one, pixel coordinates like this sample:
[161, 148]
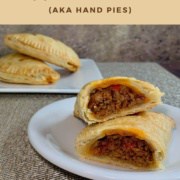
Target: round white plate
[52, 132]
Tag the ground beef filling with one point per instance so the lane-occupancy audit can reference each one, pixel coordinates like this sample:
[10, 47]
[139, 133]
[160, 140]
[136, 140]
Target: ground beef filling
[125, 148]
[106, 101]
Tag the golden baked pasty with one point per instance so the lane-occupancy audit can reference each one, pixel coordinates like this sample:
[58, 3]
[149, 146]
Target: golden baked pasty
[44, 48]
[18, 68]
[106, 99]
[133, 142]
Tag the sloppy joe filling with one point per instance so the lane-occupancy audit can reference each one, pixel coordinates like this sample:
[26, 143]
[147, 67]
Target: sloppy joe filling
[109, 100]
[125, 148]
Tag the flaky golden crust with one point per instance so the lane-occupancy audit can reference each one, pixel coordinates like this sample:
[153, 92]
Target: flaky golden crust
[152, 94]
[18, 68]
[44, 48]
[154, 128]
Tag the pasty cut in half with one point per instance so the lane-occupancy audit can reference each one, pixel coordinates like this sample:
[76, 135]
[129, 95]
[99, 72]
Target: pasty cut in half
[44, 48]
[113, 97]
[133, 142]
[18, 68]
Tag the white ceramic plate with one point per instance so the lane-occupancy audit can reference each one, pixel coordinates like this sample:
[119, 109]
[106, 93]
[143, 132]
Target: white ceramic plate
[69, 82]
[52, 131]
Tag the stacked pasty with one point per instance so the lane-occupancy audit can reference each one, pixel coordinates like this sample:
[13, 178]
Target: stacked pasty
[44, 48]
[29, 67]
[113, 97]
[137, 141]
[18, 68]
[120, 131]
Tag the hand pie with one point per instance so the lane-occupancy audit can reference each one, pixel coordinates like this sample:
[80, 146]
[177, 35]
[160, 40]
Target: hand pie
[44, 48]
[133, 142]
[113, 97]
[17, 68]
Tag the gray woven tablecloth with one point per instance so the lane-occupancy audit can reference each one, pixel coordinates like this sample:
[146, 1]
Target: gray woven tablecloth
[18, 160]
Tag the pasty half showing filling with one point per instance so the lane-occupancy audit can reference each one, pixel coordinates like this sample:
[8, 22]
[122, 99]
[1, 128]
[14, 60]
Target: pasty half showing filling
[106, 101]
[128, 149]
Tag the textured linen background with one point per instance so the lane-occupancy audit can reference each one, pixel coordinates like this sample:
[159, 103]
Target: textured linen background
[19, 160]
